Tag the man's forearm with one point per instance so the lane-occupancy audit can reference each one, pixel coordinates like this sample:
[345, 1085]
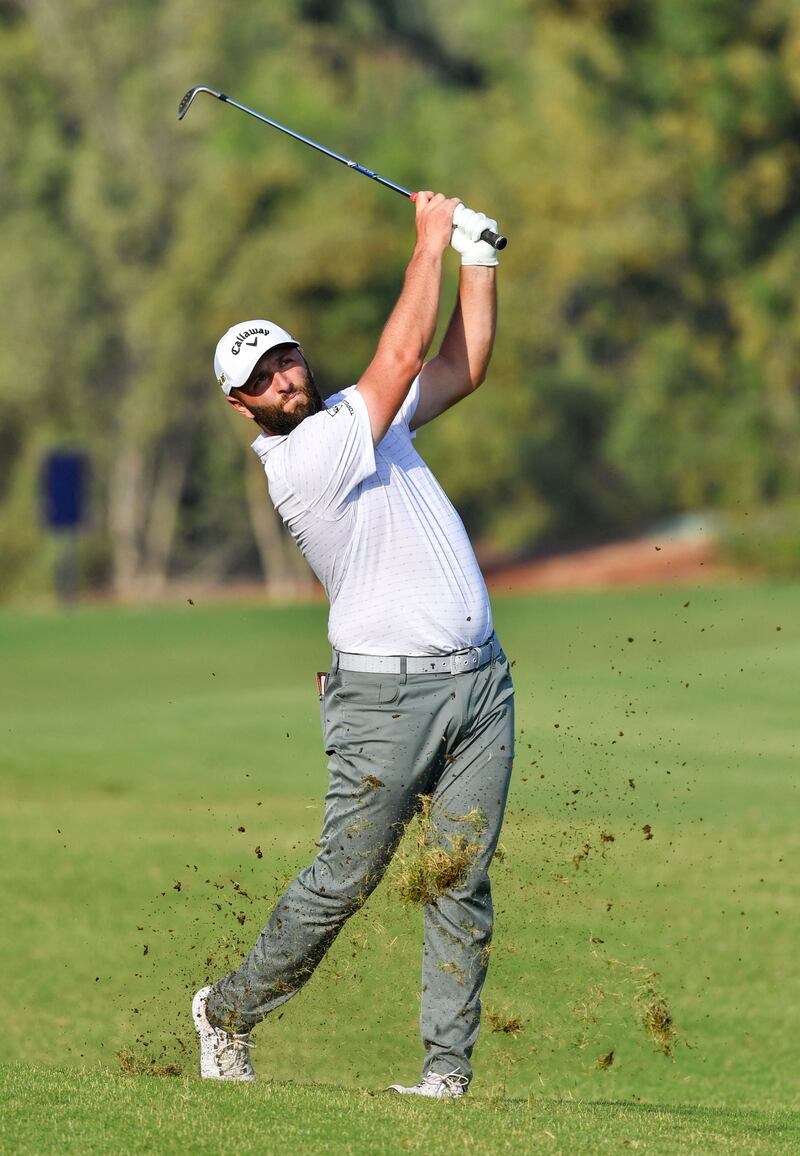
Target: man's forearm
[409, 330]
[468, 341]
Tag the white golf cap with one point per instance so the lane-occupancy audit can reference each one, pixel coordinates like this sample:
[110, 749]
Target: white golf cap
[239, 349]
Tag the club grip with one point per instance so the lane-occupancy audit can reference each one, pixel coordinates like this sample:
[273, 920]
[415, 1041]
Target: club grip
[496, 240]
[469, 221]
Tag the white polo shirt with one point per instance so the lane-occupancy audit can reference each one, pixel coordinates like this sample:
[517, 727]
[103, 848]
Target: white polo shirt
[378, 531]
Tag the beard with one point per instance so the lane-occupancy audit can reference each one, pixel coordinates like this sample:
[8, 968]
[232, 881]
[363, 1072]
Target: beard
[274, 419]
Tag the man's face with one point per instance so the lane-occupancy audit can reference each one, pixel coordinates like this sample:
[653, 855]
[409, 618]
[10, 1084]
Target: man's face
[280, 392]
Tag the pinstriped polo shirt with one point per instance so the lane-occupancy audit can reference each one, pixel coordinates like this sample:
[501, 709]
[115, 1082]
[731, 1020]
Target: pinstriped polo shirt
[378, 531]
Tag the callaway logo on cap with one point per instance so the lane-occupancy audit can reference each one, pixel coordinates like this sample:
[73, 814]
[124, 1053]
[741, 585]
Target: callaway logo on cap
[240, 348]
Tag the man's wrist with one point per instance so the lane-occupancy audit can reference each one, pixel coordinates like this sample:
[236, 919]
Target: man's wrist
[427, 252]
[478, 272]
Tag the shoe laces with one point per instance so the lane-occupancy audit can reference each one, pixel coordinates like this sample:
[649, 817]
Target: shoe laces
[232, 1051]
[452, 1080]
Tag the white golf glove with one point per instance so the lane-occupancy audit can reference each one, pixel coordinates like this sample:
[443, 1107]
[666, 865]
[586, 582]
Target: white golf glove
[466, 237]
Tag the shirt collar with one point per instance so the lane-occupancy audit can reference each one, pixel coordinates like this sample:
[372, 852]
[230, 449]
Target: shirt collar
[266, 443]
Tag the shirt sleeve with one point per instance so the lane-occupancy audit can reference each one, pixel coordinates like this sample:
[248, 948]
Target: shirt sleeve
[329, 454]
[409, 407]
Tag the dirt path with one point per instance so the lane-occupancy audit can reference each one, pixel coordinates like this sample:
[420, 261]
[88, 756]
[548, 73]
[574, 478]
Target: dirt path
[644, 562]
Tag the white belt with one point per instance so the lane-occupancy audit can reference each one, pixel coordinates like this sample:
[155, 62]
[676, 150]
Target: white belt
[455, 663]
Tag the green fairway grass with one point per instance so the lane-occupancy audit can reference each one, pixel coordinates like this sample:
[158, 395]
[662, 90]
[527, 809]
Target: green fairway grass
[648, 864]
[96, 1111]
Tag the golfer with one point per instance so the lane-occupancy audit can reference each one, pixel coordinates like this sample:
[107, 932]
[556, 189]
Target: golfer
[418, 705]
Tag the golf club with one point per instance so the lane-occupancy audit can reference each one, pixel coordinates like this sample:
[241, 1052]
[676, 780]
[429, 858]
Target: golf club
[494, 239]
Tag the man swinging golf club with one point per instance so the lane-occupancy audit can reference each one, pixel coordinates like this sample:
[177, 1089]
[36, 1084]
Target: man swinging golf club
[418, 706]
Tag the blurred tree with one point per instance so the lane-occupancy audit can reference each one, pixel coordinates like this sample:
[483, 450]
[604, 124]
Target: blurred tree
[645, 297]
[641, 154]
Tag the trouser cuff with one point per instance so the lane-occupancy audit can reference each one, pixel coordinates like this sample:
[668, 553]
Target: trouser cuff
[219, 1016]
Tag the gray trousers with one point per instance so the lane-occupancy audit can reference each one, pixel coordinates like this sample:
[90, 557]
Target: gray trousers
[398, 743]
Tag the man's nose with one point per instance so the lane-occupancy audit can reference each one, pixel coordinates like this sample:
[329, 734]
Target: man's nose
[280, 382]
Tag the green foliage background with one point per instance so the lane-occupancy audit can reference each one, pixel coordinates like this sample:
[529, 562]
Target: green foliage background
[642, 155]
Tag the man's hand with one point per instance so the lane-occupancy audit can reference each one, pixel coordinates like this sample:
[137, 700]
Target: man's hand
[434, 220]
[466, 237]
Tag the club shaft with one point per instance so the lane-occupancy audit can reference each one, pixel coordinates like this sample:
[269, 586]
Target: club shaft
[320, 148]
[492, 238]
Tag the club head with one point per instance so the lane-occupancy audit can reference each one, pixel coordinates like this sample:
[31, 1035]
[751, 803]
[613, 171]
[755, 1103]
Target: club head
[183, 107]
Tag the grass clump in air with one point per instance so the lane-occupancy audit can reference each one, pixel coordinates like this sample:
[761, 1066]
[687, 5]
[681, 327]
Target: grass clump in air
[438, 862]
[656, 1016]
[507, 1023]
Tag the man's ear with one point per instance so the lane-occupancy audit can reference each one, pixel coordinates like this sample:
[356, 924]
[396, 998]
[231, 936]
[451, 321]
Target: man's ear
[237, 405]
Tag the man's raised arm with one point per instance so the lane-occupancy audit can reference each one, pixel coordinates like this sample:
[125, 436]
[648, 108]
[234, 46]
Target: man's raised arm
[461, 364]
[408, 333]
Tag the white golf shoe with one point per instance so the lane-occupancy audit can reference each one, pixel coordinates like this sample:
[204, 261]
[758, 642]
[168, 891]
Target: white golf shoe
[452, 1086]
[223, 1055]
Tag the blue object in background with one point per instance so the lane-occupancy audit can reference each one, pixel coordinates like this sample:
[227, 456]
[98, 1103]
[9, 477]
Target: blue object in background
[63, 489]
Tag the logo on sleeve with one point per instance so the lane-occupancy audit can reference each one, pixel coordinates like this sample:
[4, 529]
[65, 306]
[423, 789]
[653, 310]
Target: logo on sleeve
[340, 405]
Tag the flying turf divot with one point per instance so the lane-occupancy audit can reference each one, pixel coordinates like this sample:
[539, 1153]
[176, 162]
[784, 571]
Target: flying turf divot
[439, 862]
